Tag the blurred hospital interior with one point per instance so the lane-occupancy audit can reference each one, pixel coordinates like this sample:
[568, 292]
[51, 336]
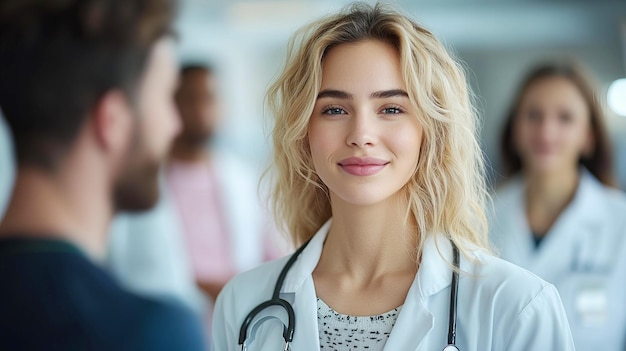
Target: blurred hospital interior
[498, 40]
[244, 43]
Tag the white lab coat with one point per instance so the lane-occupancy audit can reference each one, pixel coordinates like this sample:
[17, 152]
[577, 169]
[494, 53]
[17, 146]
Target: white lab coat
[147, 251]
[583, 255]
[500, 306]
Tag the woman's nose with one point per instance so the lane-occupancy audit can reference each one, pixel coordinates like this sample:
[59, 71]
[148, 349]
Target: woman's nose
[362, 131]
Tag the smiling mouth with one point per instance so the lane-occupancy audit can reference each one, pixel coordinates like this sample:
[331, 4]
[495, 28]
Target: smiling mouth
[362, 166]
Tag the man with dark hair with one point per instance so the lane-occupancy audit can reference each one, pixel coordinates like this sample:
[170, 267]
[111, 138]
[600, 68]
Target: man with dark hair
[86, 88]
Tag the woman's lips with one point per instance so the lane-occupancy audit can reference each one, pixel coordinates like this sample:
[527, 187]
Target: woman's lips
[362, 166]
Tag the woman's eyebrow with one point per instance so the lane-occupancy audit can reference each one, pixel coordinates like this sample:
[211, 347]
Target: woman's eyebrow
[339, 94]
[389, 93]
[331, 93]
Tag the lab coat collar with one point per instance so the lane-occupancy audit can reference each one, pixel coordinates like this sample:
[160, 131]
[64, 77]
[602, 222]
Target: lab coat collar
[434, 274]
[588, 201]
[435, 271]
[587, 206]
[579, 224]
[575, 226]
[306, 263]
[415, 320]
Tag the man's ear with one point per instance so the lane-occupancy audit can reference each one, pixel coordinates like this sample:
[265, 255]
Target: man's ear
[112, 121]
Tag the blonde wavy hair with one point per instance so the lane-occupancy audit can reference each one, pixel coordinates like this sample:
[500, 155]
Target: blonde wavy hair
[447, 192]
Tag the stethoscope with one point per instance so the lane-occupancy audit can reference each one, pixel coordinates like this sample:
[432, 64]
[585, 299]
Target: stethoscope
[291, 325]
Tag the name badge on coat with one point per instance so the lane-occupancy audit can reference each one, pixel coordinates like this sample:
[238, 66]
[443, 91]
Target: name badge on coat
[591, 300]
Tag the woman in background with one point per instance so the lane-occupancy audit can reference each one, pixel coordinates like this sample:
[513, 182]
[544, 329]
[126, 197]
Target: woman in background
[374, 129]
[559, 214]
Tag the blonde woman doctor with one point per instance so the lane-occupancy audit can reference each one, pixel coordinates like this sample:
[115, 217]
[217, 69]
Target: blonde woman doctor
[559, 214]
[375, 130]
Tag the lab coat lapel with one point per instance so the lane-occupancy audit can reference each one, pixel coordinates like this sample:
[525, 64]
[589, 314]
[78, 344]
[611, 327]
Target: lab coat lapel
[573, 229]
[519, 246]
[306, 336]
[416, 320]
[299, 289]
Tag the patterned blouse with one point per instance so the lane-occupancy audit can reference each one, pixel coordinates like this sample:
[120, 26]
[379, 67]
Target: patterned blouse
[343, 332]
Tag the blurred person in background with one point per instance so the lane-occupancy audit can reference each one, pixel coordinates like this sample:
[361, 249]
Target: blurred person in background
[86, 88]
[210, 225]
[225, 227]
[559, 213]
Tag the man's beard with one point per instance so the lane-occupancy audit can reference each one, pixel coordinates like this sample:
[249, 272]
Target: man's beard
[197, 138]
[137, 188]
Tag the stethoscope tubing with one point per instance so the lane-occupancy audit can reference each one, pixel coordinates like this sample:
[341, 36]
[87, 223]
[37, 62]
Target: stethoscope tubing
[454, 297]
[276, 301]
[289, 330]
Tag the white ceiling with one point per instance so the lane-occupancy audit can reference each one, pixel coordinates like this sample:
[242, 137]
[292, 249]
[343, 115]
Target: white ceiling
[467, 24]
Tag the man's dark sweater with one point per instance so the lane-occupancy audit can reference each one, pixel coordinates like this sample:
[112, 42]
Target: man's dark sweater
[52, 297]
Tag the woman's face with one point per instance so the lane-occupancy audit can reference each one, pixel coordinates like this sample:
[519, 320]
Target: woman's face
[364, 134]
[552, 127]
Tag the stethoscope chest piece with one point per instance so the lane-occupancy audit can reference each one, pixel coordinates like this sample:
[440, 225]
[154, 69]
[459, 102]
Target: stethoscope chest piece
[450, 348]
[244, 347]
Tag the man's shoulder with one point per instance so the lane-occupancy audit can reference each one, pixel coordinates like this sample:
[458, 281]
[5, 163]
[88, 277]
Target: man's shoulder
[168, 326]
[63, 293]
[142, 320]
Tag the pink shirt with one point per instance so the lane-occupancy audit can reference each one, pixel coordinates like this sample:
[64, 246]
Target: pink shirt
[197, 199]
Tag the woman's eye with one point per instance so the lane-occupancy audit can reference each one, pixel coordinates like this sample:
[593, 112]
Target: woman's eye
[565, 117]
[392, 110]
[333, 111]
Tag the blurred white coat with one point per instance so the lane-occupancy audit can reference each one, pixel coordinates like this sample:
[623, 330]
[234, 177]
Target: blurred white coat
[583, 255]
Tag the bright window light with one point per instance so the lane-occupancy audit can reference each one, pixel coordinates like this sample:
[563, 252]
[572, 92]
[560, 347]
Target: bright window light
[616, 97]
